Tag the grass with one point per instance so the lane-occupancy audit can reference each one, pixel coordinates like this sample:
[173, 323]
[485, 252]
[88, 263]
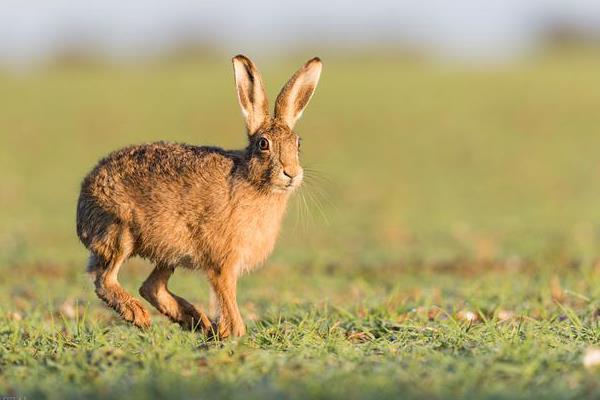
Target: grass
[447, 248]
[342, 332]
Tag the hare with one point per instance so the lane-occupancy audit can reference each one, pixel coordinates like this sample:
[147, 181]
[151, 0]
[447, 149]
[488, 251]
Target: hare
[202, 208]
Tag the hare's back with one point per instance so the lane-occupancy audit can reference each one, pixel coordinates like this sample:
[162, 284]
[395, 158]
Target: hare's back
[149, 165]
[157, 176]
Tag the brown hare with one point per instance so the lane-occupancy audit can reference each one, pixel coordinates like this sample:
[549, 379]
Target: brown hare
[198, 207]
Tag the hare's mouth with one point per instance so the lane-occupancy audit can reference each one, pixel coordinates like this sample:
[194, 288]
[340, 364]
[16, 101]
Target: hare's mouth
[284, 188]
[287, 187]
[285, 182]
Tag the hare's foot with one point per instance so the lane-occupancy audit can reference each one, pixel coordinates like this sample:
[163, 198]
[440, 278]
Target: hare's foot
[130, 309]
[105, 270]
[226, 329]
[190, 317]
[178, 310]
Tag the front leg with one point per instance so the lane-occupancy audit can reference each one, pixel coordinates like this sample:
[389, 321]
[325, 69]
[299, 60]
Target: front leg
[224, 285]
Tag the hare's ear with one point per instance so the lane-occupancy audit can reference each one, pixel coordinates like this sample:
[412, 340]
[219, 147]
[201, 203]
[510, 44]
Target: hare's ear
[296, 93]
[251, 93]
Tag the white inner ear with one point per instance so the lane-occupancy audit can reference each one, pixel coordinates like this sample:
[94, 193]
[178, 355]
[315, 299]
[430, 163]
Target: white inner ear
[313, 73]
[244, 112]
[309, 78]
[241, 80]
[293, 96]
[248, 88]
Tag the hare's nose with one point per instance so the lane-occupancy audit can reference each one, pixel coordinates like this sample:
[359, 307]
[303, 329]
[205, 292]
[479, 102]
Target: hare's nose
[289, 174]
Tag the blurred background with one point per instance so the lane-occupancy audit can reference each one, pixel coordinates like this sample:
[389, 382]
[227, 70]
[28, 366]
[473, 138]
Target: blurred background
[34, 33]
[439, 132]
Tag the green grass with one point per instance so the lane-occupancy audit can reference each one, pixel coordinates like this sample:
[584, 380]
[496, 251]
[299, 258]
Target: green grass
[439, 191]
[341, 332]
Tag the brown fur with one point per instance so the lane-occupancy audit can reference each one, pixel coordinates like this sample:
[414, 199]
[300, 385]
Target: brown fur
[197, 207]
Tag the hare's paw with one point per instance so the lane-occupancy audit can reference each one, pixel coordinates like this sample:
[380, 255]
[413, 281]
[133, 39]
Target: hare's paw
[130, 309]
[239, 331]
[133, 311]
[224, 329]
[191, 318]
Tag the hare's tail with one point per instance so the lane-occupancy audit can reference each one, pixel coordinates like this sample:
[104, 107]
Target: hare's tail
[103, 234]
[93, 264]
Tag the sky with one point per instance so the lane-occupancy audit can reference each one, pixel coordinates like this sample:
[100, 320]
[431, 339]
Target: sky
[34, 31]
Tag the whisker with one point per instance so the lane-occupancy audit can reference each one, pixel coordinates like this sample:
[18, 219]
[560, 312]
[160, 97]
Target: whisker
[316, 177]
[320, 193]
[298, 216]
[319, 206]
[308, 214]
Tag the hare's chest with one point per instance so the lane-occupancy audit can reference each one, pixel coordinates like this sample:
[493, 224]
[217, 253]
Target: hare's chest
[256, 235]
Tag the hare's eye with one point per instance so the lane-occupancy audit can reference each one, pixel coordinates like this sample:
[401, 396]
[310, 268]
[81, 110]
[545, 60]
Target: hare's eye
[263, 144]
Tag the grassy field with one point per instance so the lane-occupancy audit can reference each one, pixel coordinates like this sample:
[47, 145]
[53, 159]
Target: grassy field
[448, 245]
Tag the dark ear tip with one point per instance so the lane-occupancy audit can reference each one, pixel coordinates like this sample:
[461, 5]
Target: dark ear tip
[240, 57]
[314, 59]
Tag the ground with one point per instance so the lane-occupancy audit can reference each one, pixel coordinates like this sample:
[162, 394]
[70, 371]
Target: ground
[445, 245]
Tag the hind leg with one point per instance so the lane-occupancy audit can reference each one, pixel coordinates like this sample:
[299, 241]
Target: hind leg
[110, 291]
[179, 310]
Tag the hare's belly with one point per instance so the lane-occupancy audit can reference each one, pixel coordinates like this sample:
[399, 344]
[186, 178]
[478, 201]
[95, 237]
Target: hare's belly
[169, 244]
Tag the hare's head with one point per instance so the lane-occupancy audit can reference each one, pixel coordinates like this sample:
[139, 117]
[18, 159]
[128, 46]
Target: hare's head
[272, 154]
